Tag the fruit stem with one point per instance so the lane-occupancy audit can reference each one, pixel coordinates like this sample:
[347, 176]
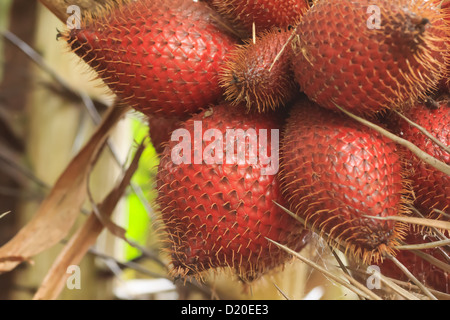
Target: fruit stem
[412, 278]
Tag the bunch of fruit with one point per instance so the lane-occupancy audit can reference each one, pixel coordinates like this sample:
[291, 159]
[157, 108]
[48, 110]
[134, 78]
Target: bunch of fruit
[222, 74]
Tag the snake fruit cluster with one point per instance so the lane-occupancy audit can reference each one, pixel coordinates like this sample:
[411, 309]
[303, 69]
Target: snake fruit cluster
[176, 61]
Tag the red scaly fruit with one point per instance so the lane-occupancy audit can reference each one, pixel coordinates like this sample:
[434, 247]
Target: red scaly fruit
[445, 82]
[343, 56]
[160, 56]
[429, 274]
[218, 213]
[445, 7]
[259, 73]
[265, 14]
[431, 186]
[335, 172]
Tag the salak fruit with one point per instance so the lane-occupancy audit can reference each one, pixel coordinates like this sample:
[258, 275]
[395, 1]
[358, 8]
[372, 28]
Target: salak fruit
[217, 205]
[160, 130]
[160, 56]
[336, 174]
[368, 56]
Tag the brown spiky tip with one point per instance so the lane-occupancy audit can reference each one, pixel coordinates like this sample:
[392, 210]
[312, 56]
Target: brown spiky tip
[259, 72]
[160, 130]
[370, 59]
[226, 247]
[367, 245]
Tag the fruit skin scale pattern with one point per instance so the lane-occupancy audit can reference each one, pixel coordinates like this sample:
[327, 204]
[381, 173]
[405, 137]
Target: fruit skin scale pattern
[338, 58]
[163, 57]
[256, 75]
[334, 170]
[218, 215]
[160, 56]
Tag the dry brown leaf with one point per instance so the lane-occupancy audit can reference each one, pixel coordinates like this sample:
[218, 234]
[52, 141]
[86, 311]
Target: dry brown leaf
[59, 210]
[84, 238]
[333, 277]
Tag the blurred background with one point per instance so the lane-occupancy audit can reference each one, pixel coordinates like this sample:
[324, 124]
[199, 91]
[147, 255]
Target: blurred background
[50, 105]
